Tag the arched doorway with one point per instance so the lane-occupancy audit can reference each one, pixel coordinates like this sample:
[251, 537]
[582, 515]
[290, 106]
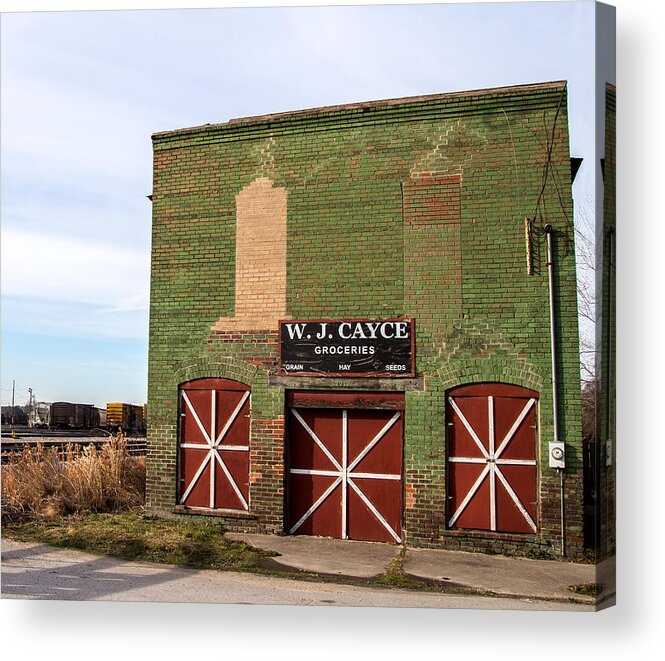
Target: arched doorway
[213, 467]
[492, 470]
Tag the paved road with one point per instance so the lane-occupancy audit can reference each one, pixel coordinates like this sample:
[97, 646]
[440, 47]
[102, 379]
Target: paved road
[31, 571]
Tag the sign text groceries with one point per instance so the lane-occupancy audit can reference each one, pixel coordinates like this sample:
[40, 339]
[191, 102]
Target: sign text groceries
[373, 347]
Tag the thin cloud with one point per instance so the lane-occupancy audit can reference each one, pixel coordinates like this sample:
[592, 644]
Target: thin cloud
[57, 268]
[64, 319]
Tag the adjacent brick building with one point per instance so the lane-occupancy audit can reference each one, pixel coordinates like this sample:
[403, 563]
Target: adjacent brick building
[415, 226]
[605, 480]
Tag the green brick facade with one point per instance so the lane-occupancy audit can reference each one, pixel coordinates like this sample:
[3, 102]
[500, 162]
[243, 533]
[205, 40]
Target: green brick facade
[405, 208]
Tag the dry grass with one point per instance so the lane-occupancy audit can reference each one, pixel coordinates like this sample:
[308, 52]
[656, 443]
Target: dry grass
[39, 483]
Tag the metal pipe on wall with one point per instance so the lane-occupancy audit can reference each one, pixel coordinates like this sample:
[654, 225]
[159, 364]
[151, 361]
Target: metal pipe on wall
[555, 385]
[607, 377]
[555, 390]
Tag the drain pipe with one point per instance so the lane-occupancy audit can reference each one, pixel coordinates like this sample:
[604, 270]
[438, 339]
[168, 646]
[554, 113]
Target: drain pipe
[555, 388]
[608, 378]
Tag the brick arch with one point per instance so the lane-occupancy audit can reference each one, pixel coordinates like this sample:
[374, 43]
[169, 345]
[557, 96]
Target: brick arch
[229, 367]
[480, 353]
[214, 382]
[489, 369]
[499, 387]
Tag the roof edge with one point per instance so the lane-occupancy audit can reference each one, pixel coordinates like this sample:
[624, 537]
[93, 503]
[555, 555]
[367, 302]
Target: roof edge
[365, 106]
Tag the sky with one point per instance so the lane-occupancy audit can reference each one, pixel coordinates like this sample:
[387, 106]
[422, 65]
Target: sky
[82, 92]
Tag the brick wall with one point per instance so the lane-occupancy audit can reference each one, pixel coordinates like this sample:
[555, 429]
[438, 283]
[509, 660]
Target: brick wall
[412, 207]
[606, 340]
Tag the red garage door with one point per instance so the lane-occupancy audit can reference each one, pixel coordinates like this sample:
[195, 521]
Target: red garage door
[492, 470]
[344, 475]
[214, 444]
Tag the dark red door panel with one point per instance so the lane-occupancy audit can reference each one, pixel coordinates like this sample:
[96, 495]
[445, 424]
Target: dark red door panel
[492, 462]
[214, 444]
[345, 473]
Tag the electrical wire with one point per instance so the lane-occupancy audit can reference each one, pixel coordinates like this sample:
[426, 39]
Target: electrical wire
[550, 147]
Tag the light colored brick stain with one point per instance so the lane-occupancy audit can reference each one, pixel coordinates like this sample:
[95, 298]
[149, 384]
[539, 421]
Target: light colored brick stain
[260, 258]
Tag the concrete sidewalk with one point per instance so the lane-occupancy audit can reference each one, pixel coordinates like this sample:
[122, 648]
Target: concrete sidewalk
[452, 570]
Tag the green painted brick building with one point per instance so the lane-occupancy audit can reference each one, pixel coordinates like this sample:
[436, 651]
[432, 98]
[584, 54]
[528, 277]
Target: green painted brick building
[430, 215]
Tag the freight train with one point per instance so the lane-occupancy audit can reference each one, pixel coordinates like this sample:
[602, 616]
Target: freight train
[117, 415]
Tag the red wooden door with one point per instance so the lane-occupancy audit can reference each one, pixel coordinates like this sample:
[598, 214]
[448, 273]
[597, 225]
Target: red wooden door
[345, 473]
[492, 466]
[214, 444]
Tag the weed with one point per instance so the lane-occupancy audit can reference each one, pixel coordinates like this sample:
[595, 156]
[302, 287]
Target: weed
[40, 483]
[394, 575]
[589, 589]
[540, 554]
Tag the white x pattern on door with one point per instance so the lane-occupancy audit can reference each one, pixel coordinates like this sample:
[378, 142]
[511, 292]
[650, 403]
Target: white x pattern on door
[492, 460]
[213, 445]
[345, 474]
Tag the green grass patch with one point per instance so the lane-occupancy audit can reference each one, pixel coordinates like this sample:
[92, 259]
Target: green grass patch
[395, 577]
[133, 536]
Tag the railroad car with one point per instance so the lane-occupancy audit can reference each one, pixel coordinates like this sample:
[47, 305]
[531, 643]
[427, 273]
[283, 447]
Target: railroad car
[68, 415]
[128, 417]
[39, 415]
